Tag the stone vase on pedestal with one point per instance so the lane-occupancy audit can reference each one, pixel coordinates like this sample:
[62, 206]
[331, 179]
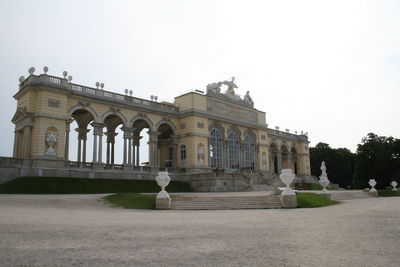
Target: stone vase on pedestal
[51, 140]
[372, 183]
[394, 185]
[163, 200]
[287, 178]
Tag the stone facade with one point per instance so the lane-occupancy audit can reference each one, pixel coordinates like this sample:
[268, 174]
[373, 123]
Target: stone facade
[199, 133]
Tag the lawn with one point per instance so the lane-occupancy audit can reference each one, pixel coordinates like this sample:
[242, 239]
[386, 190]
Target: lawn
[132, 200]
[388, 193]
[311, 200]
[56, 185]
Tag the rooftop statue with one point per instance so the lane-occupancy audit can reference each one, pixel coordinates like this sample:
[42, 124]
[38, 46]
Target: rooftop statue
[231, 86]
[214, 87]
[247, 98]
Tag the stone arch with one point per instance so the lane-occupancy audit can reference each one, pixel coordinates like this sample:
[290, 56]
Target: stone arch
[236, 130]
[216, 124]
[251, 133]
[86, 108]
[143, 118]
[116, 113]
[168, 122]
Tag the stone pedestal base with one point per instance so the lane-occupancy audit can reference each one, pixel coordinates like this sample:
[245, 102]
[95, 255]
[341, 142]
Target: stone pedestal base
[288, 201]
[163, 203]
[373, 193]
[327, 195]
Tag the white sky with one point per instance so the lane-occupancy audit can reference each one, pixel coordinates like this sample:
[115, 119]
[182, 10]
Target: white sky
[330, 68]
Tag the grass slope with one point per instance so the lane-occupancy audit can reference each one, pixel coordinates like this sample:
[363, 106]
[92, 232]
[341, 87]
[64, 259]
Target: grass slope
[132, 200]
[52, 185]
[388, 193]
[311, 200]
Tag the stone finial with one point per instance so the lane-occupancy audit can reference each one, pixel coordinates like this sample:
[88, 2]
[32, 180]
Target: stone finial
[21, 79]
[152, 97]
[287, 130]
[277, 128]
[130, 92]
[126, 91]
[69, 78]
[155, 98]
[97, 85]
[102, 86]
[295, 132]
[45, 69]
[65, 73]
[31, 70]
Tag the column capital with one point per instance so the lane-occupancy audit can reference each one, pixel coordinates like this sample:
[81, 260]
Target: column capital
[82, 133]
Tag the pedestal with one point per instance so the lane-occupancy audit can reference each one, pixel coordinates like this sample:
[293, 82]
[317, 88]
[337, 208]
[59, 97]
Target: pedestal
[163, 203]
[288, 201]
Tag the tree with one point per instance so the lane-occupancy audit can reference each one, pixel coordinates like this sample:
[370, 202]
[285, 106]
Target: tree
[378, 157]
[339, 163]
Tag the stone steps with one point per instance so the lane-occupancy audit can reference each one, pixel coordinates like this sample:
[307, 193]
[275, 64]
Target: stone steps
[224, 202]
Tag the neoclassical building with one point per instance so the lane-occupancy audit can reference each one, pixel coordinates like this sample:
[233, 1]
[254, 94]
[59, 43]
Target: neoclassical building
[216, 140]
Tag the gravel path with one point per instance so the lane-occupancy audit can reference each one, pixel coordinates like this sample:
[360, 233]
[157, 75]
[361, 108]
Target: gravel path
[79, 230]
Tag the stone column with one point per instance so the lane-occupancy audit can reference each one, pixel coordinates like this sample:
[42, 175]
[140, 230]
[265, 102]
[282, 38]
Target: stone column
[110, 147]
[94, 160]
[225, 157]
[16, 144]
[153, 141]
[27, 141]
[289, 161]
[82, 136]
[127, 144]
[100, 156]
[67, 131]
[279, 157]
[175, 150]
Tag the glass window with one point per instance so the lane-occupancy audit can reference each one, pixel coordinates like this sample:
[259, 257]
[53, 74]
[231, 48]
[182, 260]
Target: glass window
[249, 152]
[233, 147]
[215, 148]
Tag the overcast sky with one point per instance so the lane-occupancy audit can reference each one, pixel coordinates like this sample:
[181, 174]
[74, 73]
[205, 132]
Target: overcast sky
[331, 68]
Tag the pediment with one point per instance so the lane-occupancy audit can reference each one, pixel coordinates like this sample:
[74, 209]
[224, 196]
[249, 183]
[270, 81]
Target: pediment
[20, 114]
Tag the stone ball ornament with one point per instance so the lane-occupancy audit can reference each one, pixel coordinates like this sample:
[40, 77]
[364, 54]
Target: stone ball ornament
[130, 92]
[102, 85]
[163, 180]
[45, 69]
[21, 79]
[69, 78]
[65, 74]
[126, 91]
[31, 70]
[97, 84]
[287, 177]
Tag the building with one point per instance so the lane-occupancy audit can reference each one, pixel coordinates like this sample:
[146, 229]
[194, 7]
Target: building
[215, 140]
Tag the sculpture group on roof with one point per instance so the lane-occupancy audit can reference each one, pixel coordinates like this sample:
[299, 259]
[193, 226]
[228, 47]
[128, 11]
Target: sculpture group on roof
[230, 91]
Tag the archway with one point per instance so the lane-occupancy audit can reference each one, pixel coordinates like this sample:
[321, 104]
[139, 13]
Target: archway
[215, 148]
[273, 156]
[141, 142]
[293, 153]
[79, 148]
[114, 139]
[166, 146]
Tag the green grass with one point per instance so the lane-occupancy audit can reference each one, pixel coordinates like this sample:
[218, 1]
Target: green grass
[311, 200]
[132, 200]
[388, 193]
[309, 186]
[52, 185]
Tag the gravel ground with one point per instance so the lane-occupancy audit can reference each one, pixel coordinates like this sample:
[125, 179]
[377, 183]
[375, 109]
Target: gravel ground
[80, 230]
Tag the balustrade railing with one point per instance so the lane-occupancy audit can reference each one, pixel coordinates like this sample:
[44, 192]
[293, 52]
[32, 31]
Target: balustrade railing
[64, 84]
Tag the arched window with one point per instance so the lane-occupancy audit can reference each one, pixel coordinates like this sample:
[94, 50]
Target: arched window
[183, 154]
[249, 152]
[215, 148]
[233, 147]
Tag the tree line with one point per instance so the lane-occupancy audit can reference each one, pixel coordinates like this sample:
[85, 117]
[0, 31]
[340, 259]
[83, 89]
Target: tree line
[377, 157]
